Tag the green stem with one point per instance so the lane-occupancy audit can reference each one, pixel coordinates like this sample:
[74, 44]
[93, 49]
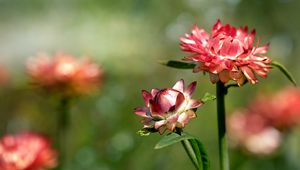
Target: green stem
[223, 150]
[62, 128]
[189, 150]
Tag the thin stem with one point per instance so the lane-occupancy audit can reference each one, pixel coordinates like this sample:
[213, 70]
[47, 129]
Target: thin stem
[223, 150]
[62, 128]
[188, 149]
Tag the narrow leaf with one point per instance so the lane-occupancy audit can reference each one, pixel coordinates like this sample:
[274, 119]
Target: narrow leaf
[178, 64]
[171, 139]
[208, 97]
[200, 153]
[284, 71]
[198, 149]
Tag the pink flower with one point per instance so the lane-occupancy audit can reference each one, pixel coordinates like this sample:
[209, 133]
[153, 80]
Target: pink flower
[228, 53]
[258, 128]
[4, 76]
[66, 74]
[168, 108]
[26, 151]
[281, 110]
[252, 133]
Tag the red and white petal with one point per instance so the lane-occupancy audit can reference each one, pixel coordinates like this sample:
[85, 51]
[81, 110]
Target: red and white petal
[183, 118]
[179, 85]
[224, 76]
[147, 122]
[154, 92]
[236, 48]
[171, 126]
[194, 104]
[162, 130]
[191, 114]
[147, 97]
[214, 78]
[190, 89]
[179, 101]
[262, 50]
[160, 123]
[142, 111]
[249, 74]
[166, 99]
[173, 118]
[241, 81]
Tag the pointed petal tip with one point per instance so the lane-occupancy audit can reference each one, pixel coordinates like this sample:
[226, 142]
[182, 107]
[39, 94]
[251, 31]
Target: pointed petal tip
[179, 85]
[191, 88]
[141, 111]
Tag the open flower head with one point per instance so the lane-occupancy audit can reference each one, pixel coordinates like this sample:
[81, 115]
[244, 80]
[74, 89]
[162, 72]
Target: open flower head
[4, 76]
[227, 53]
[26, 151]
[65, 74]
[252, 133]
[170, 108]
[281, 110]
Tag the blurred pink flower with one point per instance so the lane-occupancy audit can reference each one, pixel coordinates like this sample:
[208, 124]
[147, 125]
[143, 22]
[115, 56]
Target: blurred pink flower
[168, 108]
[26, 151]
[228, 53]
[4, 75]
[64, 73]
[281, 110]
[251, 132]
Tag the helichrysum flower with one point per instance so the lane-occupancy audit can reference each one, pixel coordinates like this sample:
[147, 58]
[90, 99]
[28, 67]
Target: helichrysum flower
[258, 129]
[281, 110]
[227, 53]
[170, 108]
[65, 74]
[4, 75]
[26, 151]
[252, 133]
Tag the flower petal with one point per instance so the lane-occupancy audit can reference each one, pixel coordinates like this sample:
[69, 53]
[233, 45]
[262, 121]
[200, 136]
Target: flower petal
[179, 101]
[142, 111]
[165, 100]
[249, 74]
[183, 118]
[262, 50]
[179, 85]
[190, 89]
[154, 91]
[160, 123]
[194, 104]
[214, 78]
[147, 97]
[224, 76]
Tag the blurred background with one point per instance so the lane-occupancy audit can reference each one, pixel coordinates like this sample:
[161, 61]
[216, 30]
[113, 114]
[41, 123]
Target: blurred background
[128, 38]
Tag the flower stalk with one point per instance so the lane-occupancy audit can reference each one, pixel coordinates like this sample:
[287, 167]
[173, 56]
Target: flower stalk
[62, 129]
[223, 150]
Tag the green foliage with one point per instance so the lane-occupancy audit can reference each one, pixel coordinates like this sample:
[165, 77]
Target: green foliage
[284, 70]
[199, 153]
[178, 64]
[208, 97]
[146, 131]
[143, 132]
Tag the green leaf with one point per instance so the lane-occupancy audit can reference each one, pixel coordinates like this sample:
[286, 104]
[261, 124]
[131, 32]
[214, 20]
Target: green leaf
[143, 132]
[171, 139]
[284, 71]
[199, 153]
[208, 97]
[178, 64]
